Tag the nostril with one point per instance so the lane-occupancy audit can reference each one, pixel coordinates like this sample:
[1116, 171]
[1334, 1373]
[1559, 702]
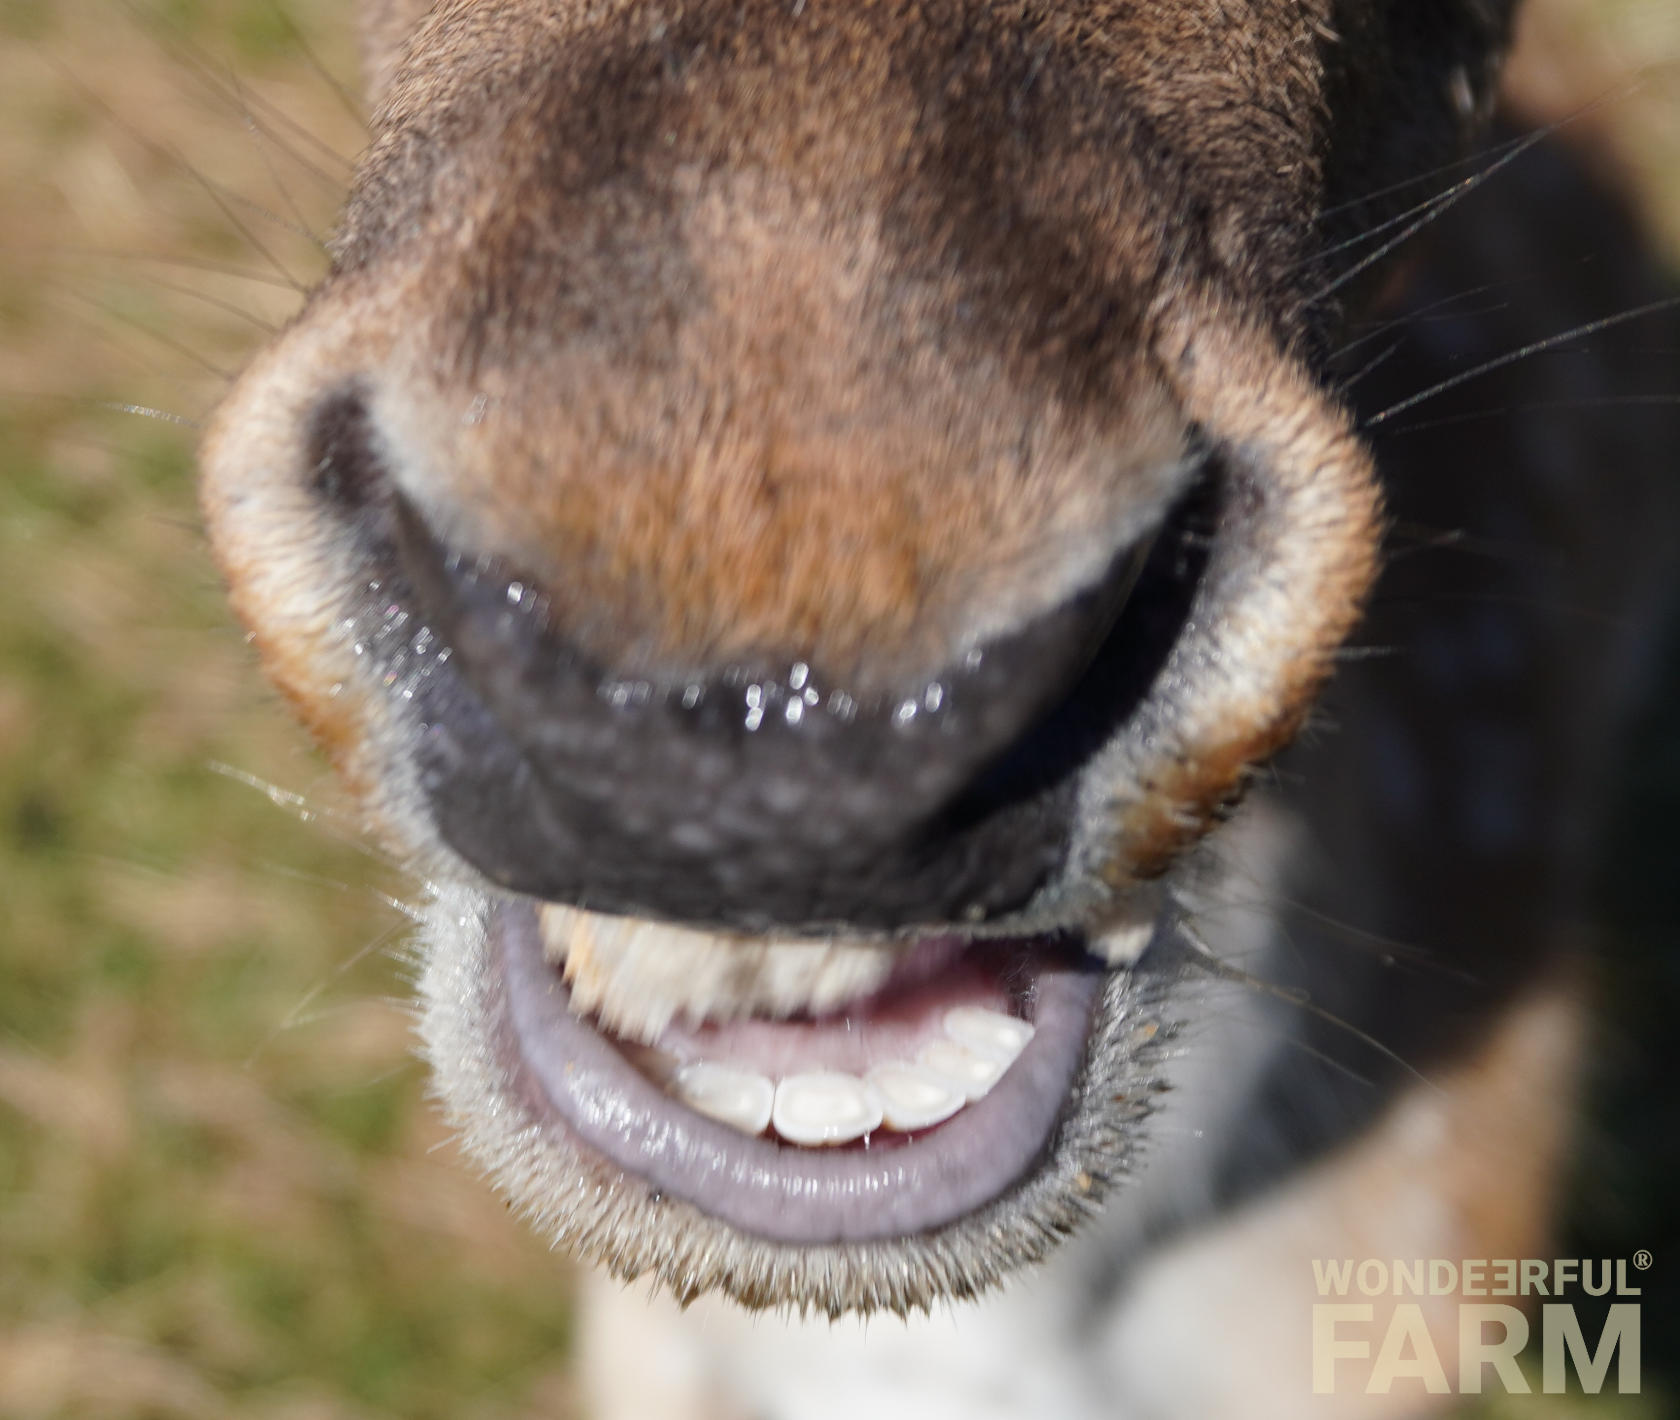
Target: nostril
[345, 466]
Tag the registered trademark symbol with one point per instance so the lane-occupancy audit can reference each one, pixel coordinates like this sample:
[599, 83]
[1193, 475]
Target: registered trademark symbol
[1642, 1259]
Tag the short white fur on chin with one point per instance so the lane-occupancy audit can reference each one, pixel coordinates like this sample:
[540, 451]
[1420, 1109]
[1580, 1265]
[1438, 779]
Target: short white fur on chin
[589, 1206]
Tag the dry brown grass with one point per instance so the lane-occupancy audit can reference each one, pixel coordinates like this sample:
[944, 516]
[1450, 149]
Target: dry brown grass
[222, 1192]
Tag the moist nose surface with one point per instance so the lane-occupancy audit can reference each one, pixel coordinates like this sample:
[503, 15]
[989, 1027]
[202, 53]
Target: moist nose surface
[741, 795]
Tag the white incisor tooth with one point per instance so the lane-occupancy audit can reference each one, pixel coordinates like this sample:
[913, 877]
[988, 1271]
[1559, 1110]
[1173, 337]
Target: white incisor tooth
[988, 1033]
[973, 1074]
[825, 1107]
[738, 1098]
[914, 1098]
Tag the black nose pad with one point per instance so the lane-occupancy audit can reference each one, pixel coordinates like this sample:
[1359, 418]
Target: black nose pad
[740, 796]
[744, 796]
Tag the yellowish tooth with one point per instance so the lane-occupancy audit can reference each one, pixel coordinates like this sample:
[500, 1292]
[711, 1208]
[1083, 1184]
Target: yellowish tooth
[741, 1099]
[638, 976]
[973, 1074]
[825, 1107]
[660, 1066]
[913, 1097]
[988, 1033]
[1122, 940]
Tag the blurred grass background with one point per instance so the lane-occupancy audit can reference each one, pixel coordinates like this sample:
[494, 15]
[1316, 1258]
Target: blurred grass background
[221, 1190]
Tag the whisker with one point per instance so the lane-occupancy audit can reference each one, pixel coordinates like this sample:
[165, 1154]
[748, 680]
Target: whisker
[261, 248]
[346, 96]
[300, 1014]
[211, 189]
[297, 227]
[27, 397]
[1428, 207]
[180, 347]
[1431, 210]
[343, 826]
[1511, 357]
[1382, 357]
[1408, 953]
[190, 263]
[230, 307]
[145, 411]
[1482, 164]
[1203, 956]
[299, 222]
[290, 800]
[1431, 175]
[1443, 308]
[1505, 411]
[210, 76]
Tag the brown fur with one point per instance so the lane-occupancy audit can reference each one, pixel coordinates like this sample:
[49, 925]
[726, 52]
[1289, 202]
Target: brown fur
[862, 333]
[831, 337]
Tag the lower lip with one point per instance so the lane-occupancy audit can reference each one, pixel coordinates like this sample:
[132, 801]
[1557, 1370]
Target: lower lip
[577, 1080]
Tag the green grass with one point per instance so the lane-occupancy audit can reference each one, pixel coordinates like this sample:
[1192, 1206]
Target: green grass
[221, 1189]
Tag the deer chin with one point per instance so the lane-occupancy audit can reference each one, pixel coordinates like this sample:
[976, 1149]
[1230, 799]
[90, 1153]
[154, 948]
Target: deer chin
[606, 1142]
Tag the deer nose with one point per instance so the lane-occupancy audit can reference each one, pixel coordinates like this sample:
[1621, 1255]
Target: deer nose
[742, 794]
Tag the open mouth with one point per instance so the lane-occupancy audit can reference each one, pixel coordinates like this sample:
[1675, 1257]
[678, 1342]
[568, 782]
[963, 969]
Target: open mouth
[956, 1098]
[811, 1091]
[893, 1115]
[908, 1070]
[897, 1092]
